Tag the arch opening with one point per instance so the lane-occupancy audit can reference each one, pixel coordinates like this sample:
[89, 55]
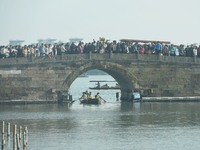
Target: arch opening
[90, 81]
[126, 80]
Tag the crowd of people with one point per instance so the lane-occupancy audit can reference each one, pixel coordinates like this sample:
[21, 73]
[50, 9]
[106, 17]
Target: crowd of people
[100, 46]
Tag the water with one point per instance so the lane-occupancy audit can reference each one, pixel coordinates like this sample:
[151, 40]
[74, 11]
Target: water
[113, 125]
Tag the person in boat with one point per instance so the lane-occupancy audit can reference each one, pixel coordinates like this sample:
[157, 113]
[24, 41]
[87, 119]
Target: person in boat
[97, 96]
[98, 85]
[117, 85]
[89, 95]
[84, 96]
[105, 86]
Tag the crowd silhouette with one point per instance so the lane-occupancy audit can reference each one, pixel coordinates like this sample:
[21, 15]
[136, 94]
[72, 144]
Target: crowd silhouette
[101, 46]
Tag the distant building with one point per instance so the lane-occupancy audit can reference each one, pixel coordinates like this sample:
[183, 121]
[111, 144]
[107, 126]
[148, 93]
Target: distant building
[15, 42]
[46, 41]
[75, 40]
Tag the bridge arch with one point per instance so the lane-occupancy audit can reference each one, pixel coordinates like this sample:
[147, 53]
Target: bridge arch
[125, 78]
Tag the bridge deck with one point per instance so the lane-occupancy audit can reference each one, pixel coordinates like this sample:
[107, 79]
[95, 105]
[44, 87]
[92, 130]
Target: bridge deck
[109, 57]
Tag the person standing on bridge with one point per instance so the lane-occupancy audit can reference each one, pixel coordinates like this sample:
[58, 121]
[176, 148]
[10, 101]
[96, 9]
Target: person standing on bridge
[198, 51]
[158, 48]
[42, 50]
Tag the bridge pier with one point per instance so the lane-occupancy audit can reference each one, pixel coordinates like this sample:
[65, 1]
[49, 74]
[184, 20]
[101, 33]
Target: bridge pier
[126, 95]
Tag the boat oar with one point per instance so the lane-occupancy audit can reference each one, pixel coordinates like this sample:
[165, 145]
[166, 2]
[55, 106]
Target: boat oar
[74, 100]
[103, 99]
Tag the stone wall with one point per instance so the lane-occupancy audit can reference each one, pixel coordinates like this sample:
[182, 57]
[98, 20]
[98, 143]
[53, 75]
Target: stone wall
[32, 83]
[41, 78]
[169, 79]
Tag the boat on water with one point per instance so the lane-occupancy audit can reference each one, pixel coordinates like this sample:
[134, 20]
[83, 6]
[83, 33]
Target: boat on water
[86, 98]
[105, 86]
[95, 101]
[136, 97]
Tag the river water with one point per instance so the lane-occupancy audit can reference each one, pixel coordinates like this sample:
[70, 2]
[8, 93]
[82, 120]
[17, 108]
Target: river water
[110, 126]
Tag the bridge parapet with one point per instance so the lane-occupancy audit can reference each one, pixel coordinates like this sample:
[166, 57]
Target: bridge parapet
[106, 56]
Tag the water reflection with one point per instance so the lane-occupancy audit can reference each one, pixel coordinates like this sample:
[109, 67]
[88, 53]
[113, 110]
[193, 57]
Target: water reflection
[112, 125]
[129, 106]
[167, 114]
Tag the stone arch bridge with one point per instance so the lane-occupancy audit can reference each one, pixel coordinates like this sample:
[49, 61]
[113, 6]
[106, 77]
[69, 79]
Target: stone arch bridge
[36, 78]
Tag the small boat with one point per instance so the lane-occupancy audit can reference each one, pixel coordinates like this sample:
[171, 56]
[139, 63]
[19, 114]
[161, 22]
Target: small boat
[136, 97]
[105, 87]
[91, 101]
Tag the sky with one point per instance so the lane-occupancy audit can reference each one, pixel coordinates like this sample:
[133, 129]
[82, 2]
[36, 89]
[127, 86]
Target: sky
[177, 21]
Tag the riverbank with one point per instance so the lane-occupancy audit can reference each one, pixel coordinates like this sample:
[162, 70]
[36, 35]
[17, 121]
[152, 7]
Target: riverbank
[144, 99]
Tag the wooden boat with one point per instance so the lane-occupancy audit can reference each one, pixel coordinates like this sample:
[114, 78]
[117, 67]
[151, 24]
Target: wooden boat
[90, 101]
[105, 87]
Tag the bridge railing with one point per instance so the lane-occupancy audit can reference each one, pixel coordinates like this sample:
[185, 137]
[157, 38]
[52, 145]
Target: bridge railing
[170, 59]
[97, 56]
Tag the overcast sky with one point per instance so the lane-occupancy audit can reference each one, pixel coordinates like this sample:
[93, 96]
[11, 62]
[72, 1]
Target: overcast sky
[177, 21]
